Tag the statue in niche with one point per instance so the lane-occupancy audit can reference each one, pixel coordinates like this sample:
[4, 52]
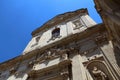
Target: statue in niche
[98, 74]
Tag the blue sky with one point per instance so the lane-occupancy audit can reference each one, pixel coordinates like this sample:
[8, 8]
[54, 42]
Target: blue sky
[18, 18]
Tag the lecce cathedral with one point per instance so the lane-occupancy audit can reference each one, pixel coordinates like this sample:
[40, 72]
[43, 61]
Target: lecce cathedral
[71, 46]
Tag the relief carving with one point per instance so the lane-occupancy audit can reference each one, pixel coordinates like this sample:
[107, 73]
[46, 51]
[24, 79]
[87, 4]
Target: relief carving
[98, 74]
[52, 53]
[99, 70]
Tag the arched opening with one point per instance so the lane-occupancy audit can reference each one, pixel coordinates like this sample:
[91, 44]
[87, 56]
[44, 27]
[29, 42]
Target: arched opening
[99, 70]
[56, 33]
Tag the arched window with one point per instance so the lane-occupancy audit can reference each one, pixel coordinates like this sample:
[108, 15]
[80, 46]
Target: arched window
[56, 33]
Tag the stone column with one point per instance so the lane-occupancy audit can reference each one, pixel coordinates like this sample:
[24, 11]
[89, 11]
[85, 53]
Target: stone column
[78, 70]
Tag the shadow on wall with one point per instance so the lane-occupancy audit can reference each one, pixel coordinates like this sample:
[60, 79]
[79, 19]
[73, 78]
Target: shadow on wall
[117, 55]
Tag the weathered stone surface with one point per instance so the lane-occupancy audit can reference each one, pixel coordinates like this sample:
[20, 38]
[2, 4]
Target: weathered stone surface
[109, 11]
[71, 46]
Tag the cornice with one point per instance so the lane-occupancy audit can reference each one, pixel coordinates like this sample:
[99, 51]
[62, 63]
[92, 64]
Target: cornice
[59, 19]
[75, 37]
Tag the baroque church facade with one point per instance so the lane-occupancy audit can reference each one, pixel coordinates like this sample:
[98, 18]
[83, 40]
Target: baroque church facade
[70, 46]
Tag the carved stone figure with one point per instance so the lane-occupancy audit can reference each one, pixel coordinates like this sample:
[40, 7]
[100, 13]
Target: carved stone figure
[98, 74]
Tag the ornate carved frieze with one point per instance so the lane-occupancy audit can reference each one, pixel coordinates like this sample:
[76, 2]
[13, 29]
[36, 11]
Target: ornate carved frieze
[52, 54]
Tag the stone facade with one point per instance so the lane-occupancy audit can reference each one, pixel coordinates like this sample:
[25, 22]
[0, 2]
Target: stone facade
[71, 46]
[109, 11]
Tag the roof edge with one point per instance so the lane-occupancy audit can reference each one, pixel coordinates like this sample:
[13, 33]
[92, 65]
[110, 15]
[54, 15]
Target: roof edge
[58, 19]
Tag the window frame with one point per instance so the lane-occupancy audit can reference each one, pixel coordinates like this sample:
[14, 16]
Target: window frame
[78, 25]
